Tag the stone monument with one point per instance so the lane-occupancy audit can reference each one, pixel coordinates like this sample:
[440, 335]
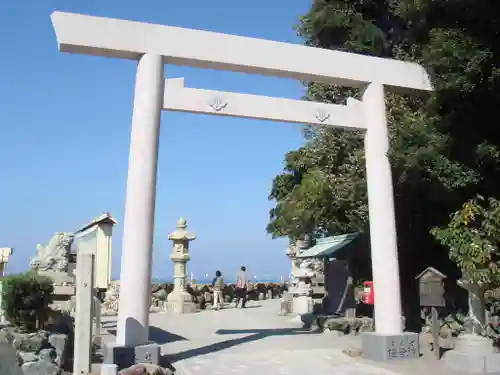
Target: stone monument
[52, 261]
[179, 300]
[5, 253]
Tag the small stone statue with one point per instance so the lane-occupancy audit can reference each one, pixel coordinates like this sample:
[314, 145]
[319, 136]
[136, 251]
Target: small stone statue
[54, 256]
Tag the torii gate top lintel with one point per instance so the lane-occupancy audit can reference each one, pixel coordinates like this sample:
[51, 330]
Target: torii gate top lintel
[99, 36]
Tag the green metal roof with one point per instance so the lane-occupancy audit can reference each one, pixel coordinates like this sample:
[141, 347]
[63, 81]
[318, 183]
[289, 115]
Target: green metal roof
[326, 247]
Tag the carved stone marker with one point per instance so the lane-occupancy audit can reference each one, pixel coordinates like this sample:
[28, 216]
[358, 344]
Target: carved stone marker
[179, 300]
[5, 253]
[84, 312]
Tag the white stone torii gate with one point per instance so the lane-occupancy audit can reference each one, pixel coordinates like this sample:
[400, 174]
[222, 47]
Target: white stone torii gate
[155, 45]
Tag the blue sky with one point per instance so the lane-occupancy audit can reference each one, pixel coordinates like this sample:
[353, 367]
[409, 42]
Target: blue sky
[64, 137]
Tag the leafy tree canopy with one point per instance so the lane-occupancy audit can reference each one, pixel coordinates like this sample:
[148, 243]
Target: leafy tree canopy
[332, 161]
[473, 239]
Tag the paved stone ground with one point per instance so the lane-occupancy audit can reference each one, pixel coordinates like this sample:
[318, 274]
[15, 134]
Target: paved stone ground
[257, 340]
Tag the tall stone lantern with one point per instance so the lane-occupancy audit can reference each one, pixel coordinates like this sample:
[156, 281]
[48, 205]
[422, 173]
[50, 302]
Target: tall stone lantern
[294, 249]
[179, 300]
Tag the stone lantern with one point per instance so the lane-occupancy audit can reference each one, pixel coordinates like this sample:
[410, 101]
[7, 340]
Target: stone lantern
[293, 250]
[5, 253]
[179, 300]
[302, 294]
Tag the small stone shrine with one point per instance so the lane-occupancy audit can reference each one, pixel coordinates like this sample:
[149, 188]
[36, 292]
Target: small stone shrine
[52, 261]
[5, 253]
[179, 300]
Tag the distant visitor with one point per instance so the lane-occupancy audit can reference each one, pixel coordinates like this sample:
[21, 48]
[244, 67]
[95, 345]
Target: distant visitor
[218, 285]
[241, 287]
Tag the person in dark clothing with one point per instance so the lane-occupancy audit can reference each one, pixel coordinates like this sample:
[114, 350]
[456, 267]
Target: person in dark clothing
[241, 287]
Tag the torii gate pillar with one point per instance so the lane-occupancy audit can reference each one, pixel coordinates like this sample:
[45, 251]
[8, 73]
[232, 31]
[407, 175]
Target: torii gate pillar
[138, 224]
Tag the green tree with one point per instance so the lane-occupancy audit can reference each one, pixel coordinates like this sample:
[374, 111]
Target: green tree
[332, 160]
[473, 238]
[443, 148]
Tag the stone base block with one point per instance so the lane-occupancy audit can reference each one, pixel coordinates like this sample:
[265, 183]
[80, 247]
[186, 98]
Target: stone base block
[472, 363]
[127, 356]
[287, 296]
[286, 308]
[473, 355]
[181, 307]
[302, 305]
[380, 347]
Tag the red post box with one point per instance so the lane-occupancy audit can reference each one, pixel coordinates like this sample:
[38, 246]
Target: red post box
[368, 293]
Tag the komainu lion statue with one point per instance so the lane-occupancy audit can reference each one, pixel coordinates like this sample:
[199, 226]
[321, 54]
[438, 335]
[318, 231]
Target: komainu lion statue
[54, 256]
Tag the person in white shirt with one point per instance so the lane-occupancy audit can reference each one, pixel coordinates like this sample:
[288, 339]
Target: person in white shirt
[218, 285]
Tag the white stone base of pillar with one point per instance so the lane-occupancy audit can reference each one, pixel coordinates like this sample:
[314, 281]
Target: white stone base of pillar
[383, 347]
[127, 356]
[473, 354]
[180, 303]
[302, 305]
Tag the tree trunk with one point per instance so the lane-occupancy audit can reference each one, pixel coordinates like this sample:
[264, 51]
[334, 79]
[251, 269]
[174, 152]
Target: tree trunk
[477, 307]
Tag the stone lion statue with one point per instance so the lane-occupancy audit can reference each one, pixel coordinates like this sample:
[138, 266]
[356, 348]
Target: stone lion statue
[54, 256]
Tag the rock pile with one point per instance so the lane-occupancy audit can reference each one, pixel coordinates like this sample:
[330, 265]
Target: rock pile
[40, 352]
[202, 295]
[109, 306]
[145, 369]
[346, 325]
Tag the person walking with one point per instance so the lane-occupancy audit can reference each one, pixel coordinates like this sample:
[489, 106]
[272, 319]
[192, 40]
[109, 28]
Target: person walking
[241, 287]
[218, 286]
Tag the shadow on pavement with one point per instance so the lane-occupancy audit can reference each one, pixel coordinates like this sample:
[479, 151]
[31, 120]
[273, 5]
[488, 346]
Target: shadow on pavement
[254, 335]
[157, 335]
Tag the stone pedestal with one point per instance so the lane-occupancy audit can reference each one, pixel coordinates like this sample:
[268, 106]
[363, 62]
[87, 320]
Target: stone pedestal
[180, 303]
[127, 356]
[302, 305]
[179, 300]
[473, 354]
[386, 347]
[63, 296]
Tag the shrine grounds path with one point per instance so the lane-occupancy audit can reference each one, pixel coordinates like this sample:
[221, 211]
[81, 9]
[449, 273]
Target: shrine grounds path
[256, 340]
